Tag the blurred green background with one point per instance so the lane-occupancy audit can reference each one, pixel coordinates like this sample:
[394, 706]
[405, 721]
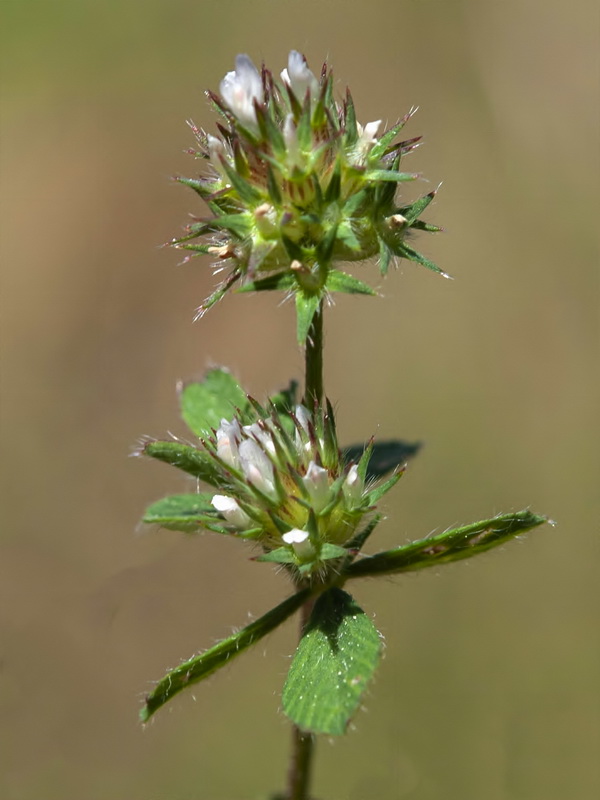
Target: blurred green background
[489, 685]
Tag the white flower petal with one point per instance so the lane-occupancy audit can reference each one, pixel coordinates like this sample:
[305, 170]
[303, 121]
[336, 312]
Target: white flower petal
[299, 77]
[300, 542]
[353, 485]
[228, 439]
[231, 510]
[239, 90]
[316, 481]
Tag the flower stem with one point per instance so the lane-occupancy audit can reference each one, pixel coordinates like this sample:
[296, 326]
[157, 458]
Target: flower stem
[302, 743]
[313, 360]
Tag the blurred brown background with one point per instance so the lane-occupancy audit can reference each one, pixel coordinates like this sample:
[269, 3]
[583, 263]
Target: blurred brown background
[489, 685]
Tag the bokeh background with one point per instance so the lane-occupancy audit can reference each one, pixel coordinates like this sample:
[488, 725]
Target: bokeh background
[489, 684]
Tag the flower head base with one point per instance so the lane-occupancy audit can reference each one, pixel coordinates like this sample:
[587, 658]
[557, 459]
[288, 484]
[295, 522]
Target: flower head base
[298, 185]
[277, 474]
[285, 485]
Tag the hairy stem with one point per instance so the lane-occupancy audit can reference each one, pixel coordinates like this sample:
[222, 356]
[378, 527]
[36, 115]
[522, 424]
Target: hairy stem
[303, 743]
[313, 360]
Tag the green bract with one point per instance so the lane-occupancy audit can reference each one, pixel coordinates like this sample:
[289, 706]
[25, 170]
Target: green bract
[297, 185]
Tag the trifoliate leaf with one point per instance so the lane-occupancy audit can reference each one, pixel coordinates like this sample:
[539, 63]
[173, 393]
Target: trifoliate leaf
[216, 397]
[332, 666]
[453, 545]
[200, 667]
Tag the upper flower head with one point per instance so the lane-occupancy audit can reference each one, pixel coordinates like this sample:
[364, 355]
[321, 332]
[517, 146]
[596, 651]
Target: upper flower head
[299, 186]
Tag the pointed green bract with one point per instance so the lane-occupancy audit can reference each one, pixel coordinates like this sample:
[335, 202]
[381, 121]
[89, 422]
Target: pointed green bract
[217, 397]
[383, 488]
[338, 281]
[453, 545]
[306, 306]
[184, 512]
[200, 667]
[385, 456]
[333, 664]
[405, 251]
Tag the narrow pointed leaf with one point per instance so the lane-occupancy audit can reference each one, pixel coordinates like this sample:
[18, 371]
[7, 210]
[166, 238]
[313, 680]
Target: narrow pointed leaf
[338, 281]
[332, 666]
[205, 404]
[385, 456]
[200, 667]
[183, 512]
[453, 545]
[186, 458]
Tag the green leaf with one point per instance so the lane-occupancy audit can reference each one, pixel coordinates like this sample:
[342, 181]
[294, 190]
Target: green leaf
[385, 456]
[333, 664]
[200, 667]
[205, 404]
[183, 512]
[185, 457]
[464, 542]
[338, 281]
[306, 306]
